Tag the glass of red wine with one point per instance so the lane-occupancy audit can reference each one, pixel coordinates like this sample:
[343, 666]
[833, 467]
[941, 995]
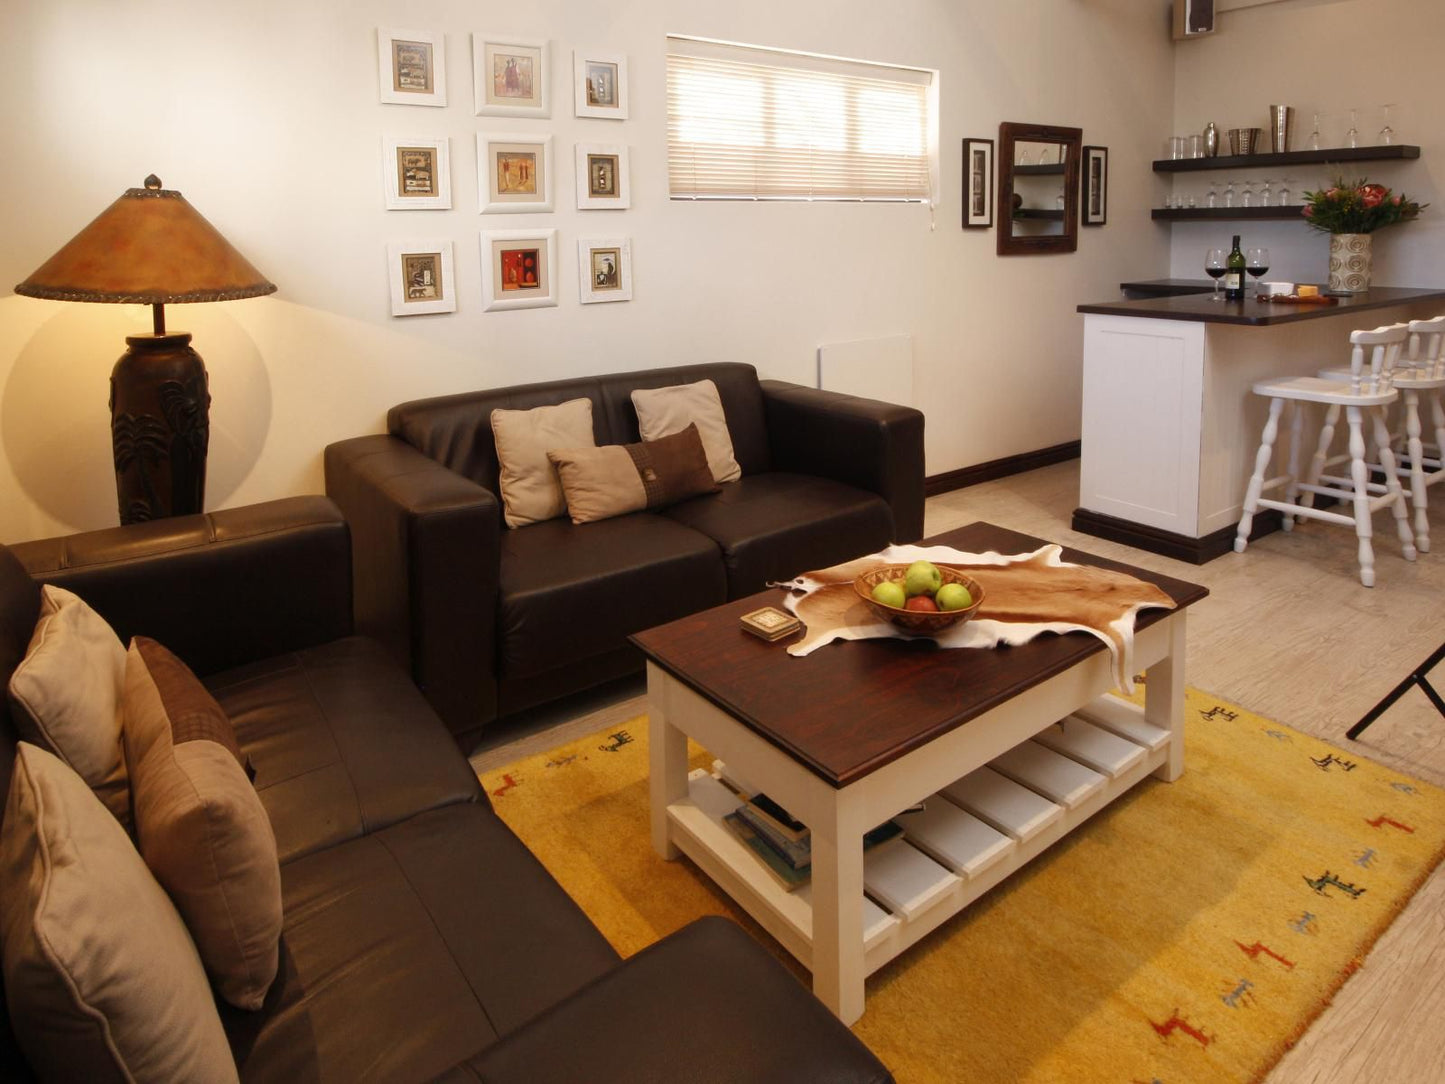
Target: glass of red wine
[1214, 267]
[1256, 262]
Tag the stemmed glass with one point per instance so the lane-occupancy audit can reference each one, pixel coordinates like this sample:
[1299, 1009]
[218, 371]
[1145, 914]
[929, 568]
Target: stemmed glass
[1212, 200]
[1229, 194]
[1247, 200]
[1387, 134]
[1284, 191]
[1352, 137]
[1265, 195]
[1256, 262]
[1215, 264]
[1315, 135]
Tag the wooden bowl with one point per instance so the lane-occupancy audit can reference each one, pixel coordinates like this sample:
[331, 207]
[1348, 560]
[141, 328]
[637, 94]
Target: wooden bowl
[922, 622]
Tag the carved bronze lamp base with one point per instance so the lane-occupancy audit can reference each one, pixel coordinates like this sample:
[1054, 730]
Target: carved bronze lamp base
[159, 426]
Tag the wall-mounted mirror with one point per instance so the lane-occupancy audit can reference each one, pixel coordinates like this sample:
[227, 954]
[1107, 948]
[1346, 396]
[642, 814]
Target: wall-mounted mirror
[1038, 188]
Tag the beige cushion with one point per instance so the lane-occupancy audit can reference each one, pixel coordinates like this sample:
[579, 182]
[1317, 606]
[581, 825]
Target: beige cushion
[65, 694]
[664, 411]
[200, 824]
[531, 491]
[618, 478]
[102, 979]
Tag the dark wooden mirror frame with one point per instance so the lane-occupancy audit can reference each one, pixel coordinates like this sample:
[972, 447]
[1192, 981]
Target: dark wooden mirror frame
[1010, 133]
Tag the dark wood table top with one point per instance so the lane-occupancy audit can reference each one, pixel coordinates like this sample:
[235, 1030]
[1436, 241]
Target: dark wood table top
[853, 706]
[1200, 309]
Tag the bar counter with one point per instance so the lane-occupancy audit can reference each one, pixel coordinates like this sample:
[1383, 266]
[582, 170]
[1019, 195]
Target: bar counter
[1170, 423]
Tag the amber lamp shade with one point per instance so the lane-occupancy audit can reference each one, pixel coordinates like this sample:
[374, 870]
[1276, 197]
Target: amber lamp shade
[151, 247]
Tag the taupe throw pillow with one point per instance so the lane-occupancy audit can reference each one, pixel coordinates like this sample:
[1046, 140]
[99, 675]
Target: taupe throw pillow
[619, 478]
[200, 824]
[530, 489]
[101, 977]
[65, 694]
[664, 411]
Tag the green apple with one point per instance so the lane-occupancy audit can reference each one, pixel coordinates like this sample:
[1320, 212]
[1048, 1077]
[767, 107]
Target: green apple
[953, 596]
[922, 578]
[890, 593]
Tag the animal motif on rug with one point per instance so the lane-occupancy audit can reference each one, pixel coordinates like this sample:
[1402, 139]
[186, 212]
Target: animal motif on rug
[1025, 594]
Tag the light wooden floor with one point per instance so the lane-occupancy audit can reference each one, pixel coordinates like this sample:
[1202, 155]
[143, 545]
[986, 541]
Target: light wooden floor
[1289, 633]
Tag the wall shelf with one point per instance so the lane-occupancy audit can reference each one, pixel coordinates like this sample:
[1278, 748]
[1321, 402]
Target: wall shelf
[1214, 214]
[1039, 212]
[1041, 170]
[1394, 151]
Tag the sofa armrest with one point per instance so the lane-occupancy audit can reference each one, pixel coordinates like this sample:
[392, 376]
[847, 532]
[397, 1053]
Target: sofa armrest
[706, 1005]
[219, 588]
[872, 445]
[427, 554]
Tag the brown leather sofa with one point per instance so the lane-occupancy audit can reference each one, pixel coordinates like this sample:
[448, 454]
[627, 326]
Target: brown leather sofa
[491, 621]
[421, 939]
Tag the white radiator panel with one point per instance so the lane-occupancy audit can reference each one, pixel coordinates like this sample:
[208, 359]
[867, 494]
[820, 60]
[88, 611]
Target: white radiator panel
[871, 368]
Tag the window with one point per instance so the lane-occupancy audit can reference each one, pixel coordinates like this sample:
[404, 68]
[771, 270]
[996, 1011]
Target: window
[748, 123]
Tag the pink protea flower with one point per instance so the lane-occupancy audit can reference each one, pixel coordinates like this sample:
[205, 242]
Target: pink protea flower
[1309, 212]
[1372, 195]
[1395, 200]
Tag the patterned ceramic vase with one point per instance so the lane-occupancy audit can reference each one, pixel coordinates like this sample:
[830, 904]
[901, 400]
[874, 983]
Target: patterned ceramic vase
[1351, 261]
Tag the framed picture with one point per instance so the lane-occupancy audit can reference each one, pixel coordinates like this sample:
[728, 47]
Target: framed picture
[514, 173]
[421, 277]
[1095, 173]
[413, 66]
[518, 269]
[599, 81]
[511, 77]
[602, 177]
[977, 184]
[417, 173]
[604, 269]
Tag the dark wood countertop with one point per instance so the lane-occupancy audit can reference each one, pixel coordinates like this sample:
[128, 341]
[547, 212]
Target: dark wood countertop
[1167, 287]
[1200, 309]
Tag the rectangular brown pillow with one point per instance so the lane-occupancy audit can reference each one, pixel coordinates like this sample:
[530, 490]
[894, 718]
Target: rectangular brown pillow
[618, 478]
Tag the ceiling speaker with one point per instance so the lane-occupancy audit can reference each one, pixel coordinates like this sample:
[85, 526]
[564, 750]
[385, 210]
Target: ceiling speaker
[1192, 18]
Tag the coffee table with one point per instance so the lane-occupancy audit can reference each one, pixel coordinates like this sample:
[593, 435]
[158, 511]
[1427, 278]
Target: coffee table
[859, 731]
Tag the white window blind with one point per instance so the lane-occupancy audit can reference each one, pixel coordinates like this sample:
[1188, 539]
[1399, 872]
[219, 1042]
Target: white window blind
[745, 123]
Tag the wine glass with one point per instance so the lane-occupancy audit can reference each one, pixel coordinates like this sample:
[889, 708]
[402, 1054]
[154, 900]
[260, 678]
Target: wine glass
[1352, 137]
[1265, 195]
[1256, 262]
[1315, 135]
[1247, 199]
[1212, 200]
[1387, 134]
[1284, 191]
[1215, 264]
[1229, 194]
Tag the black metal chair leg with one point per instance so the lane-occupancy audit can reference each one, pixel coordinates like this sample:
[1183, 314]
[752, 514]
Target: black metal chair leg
[1417, 677]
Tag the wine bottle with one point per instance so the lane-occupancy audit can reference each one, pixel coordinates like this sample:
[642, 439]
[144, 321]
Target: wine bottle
[1234, 273]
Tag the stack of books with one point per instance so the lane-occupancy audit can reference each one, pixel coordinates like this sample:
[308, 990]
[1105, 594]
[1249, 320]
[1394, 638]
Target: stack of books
[782, 843]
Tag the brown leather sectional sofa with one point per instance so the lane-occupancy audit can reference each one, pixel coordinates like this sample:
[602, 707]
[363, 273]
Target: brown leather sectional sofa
[491, 620]
[421, 939]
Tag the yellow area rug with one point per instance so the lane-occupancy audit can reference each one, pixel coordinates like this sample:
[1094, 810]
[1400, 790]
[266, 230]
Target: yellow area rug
[1189, 932]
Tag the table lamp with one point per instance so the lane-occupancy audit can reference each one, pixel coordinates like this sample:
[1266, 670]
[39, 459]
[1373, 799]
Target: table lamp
[151, 247]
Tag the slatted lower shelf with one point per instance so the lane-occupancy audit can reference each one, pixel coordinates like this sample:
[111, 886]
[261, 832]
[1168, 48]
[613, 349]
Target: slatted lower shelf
[968, 837]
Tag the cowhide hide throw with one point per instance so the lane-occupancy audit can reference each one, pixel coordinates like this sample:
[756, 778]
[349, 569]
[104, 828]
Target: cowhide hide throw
[1025, 594]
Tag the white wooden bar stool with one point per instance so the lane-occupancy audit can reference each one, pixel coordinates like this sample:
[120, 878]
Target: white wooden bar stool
[1420, 370]
[1368, 389]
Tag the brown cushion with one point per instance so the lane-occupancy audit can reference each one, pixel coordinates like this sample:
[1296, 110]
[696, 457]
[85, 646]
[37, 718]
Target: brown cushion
[664, 411]
[531, 492]
[65, 694]
[102, 980]
[200, 826]
[618, 478]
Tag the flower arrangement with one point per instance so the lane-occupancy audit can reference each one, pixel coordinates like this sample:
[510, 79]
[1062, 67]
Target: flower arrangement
[1357, 207]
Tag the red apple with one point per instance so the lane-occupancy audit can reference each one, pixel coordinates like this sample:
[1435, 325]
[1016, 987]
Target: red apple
[922, 603]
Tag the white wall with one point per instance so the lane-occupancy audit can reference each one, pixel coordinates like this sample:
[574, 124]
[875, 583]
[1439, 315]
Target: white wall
[1325, 55]
[265, 115]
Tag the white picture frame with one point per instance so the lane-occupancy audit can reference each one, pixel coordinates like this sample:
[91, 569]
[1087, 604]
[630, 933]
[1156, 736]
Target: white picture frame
[511, 77]
[412, 66]
[416, 173]
[514, 173]
[599, 84]
[603, 173]
[422, 277]
[519, 269]
[604, 269]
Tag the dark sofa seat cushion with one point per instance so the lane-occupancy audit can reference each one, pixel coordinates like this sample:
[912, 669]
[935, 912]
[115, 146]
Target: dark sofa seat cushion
[570, 591]
[341, 741]
[410, 949]
[773, 526]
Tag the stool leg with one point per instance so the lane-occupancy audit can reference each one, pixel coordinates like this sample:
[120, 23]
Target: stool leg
[1392, 485]
[1360, 475]
[1256, 480]
[1417, 470]
[1327, 437]
[1438, 415]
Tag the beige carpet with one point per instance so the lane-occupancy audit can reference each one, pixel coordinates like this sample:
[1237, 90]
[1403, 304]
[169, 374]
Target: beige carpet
[1190, 932]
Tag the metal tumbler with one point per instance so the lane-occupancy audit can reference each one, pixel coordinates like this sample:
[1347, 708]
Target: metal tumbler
[1281, 117]
[1242, 140]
